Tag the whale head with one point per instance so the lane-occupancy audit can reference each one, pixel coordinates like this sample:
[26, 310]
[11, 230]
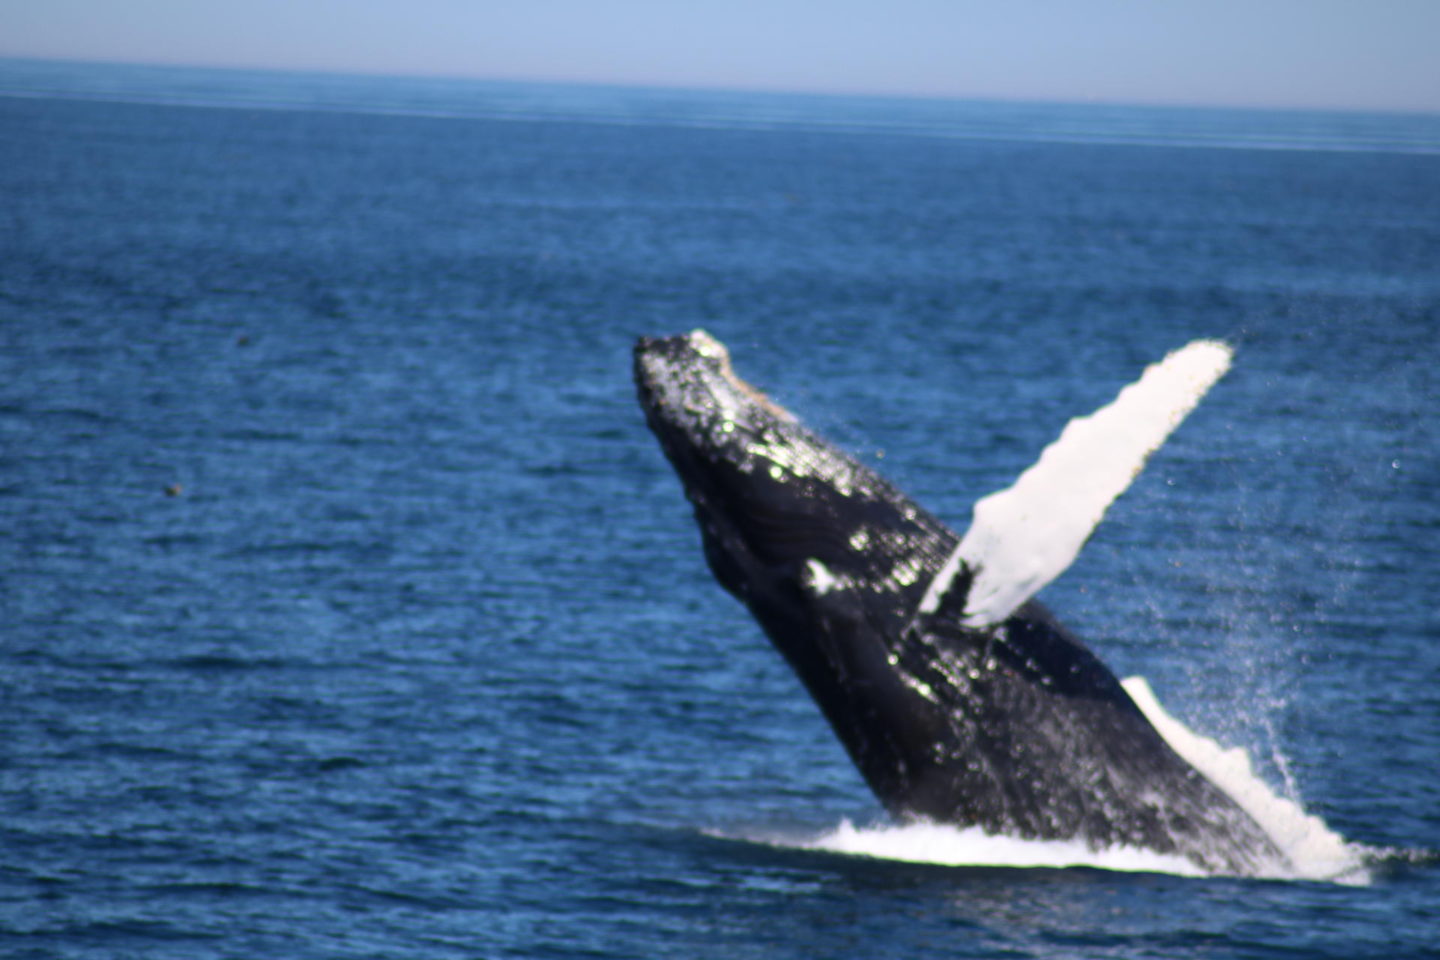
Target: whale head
[784, 515]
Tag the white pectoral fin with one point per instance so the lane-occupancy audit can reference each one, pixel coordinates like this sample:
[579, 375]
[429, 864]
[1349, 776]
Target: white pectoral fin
[1026, 535]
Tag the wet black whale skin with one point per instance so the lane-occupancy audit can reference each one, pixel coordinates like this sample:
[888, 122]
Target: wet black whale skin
[1017, 728]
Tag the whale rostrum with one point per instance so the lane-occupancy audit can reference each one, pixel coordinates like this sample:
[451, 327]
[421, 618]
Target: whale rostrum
[960, 699]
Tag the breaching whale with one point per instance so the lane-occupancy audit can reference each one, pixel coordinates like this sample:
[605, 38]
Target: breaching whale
[960, 699]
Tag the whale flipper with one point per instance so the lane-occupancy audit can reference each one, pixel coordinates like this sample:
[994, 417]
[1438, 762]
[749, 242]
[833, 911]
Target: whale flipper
[1026, 535]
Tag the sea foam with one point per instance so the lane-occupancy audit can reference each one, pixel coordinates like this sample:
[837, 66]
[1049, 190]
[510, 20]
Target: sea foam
[1314, 851]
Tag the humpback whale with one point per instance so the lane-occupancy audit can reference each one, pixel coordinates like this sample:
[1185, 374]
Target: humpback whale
[960, 699]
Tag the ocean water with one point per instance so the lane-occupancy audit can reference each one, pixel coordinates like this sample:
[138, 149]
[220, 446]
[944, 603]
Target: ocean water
[347, 609]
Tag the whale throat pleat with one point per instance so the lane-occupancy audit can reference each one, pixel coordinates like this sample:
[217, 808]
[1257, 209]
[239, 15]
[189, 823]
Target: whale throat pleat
[1026, 535]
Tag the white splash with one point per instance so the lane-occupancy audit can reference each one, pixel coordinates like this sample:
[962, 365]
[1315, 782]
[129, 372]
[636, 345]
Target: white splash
[1028, 534]
[971, 846]
[1315, 851]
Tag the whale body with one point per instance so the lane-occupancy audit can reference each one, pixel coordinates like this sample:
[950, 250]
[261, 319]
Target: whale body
[960, 699]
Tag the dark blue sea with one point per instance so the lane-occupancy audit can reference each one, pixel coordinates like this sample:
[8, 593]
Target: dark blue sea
[348, 609]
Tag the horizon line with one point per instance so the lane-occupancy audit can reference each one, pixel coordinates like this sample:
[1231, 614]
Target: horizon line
[723, 87]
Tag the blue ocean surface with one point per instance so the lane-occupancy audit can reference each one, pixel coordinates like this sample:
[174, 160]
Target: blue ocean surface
[348, 609]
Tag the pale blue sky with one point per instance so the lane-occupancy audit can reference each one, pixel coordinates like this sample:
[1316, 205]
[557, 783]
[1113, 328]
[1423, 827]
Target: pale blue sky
[1363, 54]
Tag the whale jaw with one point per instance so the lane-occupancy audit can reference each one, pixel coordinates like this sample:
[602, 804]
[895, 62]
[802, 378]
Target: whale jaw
[1014, 726]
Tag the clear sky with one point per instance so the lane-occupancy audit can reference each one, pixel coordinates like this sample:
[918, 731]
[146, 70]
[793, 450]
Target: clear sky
[1363, 54]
